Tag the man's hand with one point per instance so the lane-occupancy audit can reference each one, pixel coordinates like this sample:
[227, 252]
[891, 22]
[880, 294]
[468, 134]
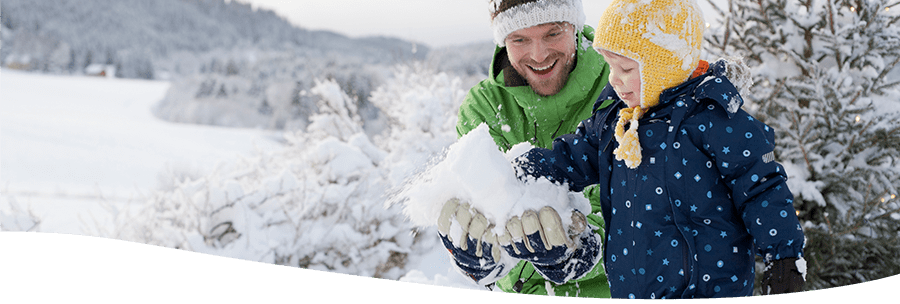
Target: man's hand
[467, 235]
[784, 276]
[558, 253]
[539, 237]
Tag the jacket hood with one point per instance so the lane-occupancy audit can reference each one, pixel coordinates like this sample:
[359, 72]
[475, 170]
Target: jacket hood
[725, 82]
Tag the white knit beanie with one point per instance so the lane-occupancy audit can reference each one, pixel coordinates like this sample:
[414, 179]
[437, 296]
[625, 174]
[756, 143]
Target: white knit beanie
[508, 16]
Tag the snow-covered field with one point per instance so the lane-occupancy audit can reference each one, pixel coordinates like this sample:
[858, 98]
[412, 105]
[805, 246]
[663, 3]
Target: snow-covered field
[69, 142]
[71, 146]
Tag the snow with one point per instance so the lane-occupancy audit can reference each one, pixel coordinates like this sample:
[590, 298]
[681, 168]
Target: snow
[475, 171]
[70, 140]
[86, 156]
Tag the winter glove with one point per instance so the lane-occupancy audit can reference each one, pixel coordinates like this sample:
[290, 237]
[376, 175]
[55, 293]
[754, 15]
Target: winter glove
[784, 276]
[467, 235]
[558, 253]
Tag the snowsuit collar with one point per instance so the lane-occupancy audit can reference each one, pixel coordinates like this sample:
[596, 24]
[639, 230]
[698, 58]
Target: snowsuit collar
[719, 73]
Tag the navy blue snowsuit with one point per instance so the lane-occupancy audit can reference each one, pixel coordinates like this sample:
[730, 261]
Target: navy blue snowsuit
[707, 196]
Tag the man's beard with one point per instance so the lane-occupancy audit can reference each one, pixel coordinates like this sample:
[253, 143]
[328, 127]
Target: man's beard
[547, 87]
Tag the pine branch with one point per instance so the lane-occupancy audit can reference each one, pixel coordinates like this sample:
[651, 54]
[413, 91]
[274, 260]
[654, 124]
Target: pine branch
[727, 28]
[881, 76]
[802, 144]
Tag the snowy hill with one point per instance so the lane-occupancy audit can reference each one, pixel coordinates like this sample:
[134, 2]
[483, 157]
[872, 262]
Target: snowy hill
[146, 38]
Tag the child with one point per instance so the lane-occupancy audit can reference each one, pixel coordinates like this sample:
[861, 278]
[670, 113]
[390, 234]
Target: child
[690, 187]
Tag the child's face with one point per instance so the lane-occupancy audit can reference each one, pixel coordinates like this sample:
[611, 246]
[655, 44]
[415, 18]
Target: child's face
[625, 77]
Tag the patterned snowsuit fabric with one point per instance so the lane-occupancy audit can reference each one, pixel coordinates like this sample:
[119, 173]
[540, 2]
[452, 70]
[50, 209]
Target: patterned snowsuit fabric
[515, 114]
[708, 196]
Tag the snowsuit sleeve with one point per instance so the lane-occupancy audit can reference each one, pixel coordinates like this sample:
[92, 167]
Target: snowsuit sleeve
[574, 158]
[743, 151]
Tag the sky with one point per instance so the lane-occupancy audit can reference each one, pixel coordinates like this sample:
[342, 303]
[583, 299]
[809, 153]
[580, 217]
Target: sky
[436, 23]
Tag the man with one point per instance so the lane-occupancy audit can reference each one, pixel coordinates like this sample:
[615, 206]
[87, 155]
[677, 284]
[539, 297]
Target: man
[544, 79]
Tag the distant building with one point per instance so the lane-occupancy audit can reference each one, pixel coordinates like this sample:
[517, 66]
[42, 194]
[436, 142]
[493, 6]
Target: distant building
[18, 62]
[100, 70]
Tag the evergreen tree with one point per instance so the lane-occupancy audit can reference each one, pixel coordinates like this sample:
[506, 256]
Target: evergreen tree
[824, 73]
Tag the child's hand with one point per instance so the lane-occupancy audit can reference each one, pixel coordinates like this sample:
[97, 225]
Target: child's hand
[784, 276]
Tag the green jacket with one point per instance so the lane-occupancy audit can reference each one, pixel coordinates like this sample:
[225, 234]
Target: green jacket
[515, 114]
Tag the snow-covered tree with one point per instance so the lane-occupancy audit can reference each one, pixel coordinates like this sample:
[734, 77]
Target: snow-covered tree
[17, 218]
[319, 202]
[825, 79]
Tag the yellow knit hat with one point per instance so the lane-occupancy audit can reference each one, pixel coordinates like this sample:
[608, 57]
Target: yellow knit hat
[664, 37]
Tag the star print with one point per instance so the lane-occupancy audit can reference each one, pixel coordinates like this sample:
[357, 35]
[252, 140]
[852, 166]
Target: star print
[622, 278]
[657, 233]
[668, 218]
[619, 231]
[584, 158]
[569, 168]
[725, 96]
[723, 234]
[693, 208]
[552, 160]
[644, 178]
[649, 252]
[726, 150]
[665, 261]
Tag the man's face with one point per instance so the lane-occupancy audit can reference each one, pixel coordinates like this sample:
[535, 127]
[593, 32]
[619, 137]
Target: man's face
[625, 77]
[543, 54]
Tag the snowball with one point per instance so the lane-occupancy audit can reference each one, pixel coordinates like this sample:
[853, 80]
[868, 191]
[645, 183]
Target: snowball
[474, 170]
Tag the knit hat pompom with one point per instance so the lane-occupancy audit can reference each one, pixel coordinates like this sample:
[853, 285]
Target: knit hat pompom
[664, 37]
[508, 16]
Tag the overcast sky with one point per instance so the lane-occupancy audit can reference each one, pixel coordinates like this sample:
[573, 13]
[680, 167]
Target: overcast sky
[436, 23]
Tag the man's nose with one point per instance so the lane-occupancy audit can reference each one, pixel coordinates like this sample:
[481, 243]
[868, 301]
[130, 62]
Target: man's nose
[539, 51]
